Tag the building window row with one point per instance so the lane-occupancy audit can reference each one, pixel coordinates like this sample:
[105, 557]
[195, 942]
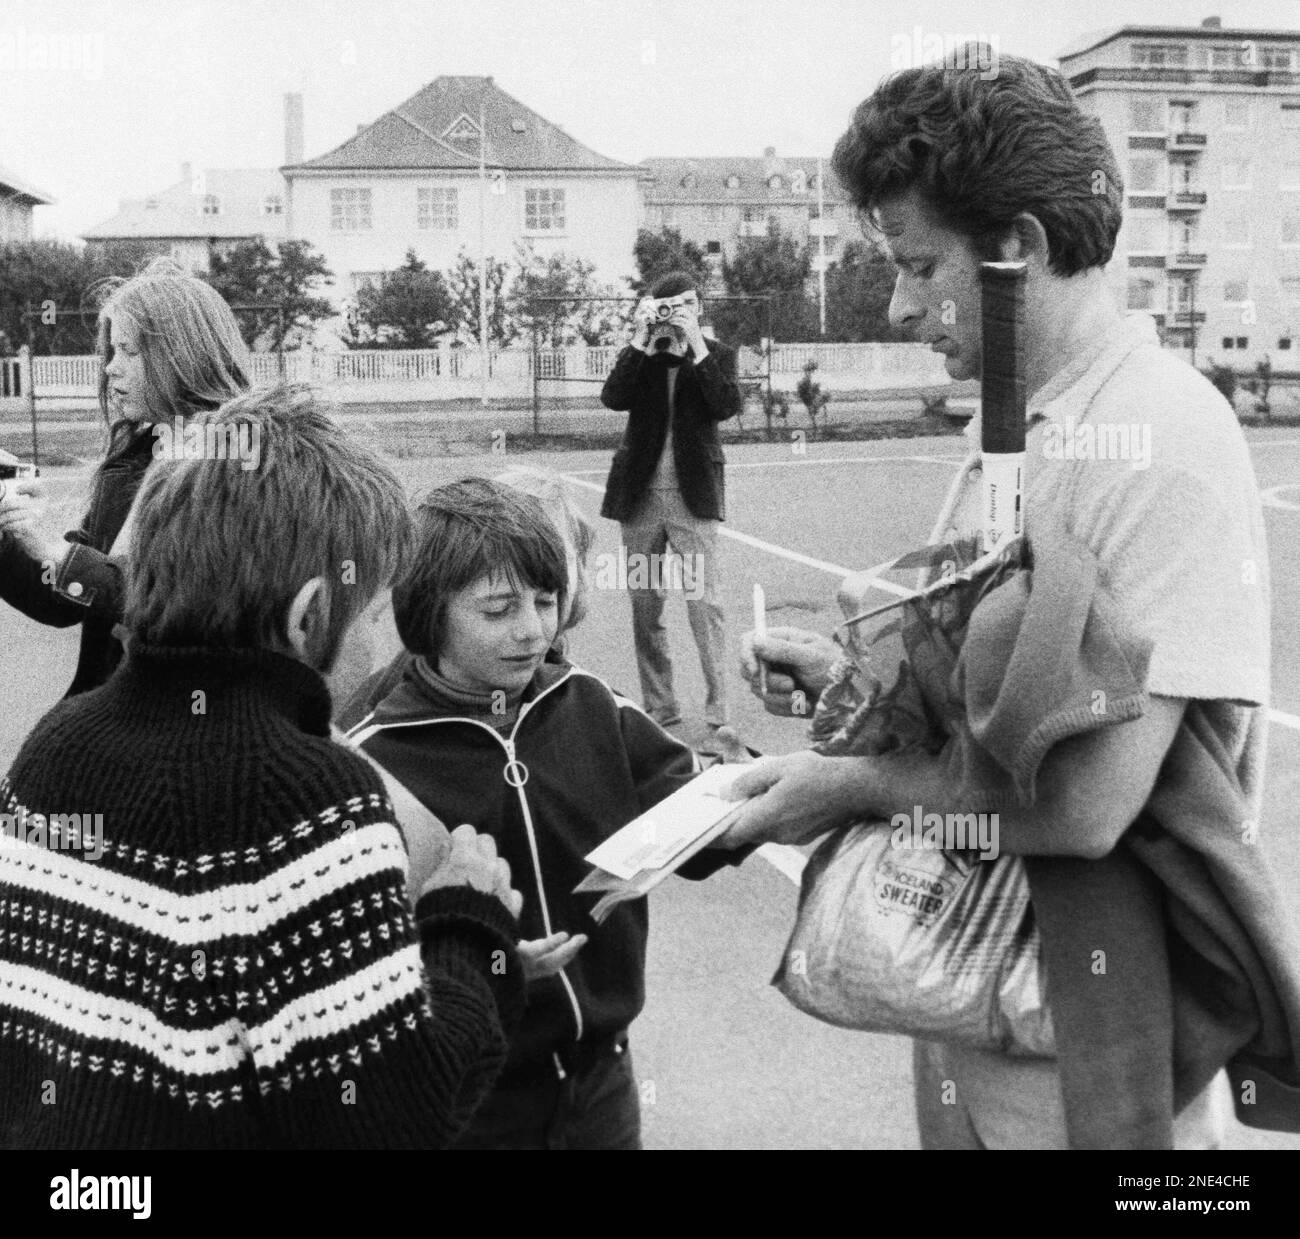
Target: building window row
[437, 208]
[1244, 54]
[1151, 114]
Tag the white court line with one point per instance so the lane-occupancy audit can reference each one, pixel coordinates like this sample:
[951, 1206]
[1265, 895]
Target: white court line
[789, 860]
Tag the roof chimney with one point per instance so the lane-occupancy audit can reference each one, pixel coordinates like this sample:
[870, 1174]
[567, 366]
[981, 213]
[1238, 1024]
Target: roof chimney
[769, 152]
[293, 128]
[1212, 23]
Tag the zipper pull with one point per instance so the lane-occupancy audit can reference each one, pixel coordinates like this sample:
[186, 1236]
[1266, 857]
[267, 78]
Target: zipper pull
[515, 772]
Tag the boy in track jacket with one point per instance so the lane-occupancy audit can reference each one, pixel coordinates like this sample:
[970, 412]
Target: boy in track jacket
[483, 728]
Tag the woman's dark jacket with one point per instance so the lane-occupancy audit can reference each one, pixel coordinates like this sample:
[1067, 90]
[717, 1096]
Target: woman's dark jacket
[88, 588]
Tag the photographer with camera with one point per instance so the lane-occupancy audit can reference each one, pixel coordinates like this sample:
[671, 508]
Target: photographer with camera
[666, 485]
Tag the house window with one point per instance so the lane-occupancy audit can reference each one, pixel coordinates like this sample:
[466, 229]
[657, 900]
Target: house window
[1143, 175]
[1291, 116]
[1284, 343]
[1160, 55]
[366, 279]
[1275, 58]
[774, 182]
[1236, 113]
[826, 212]
[1227, 341]
[1141, 293]
[211, 204]
[713, 247]
[350, 210]
[1227, 57]
[1291, 291]
[543, 210]
[1236, 174]
[733, 181]
[1236, 291]
[1144, 234]
[437, 208]
[1146, 115]
[272, 204]
[1236, 230]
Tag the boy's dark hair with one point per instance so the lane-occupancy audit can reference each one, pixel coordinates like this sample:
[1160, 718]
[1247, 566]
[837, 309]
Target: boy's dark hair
[219, 550]
[465, 530]
[673, 284]
[982, 151]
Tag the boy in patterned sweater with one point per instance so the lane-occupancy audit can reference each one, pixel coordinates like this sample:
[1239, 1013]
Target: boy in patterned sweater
[220, 953]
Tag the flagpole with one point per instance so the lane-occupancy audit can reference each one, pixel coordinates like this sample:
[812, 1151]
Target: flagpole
[482, 255]
[821, 249]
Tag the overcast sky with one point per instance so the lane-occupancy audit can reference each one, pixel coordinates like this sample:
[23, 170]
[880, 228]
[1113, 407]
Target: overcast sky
[138, 86]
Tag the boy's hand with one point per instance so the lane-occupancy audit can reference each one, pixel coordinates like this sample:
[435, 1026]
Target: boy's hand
[544, 957]
[797, 661]
[473, 861]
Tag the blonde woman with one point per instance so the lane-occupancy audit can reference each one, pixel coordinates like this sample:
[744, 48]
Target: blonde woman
[169, 347]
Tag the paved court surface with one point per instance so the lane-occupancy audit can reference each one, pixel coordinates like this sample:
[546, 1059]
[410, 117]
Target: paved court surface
[725, 1061]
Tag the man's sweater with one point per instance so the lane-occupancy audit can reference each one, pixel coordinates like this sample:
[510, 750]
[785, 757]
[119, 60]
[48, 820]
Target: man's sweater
[228, 959]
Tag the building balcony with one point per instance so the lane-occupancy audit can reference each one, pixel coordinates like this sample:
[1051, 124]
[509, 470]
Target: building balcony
[823, 228]
[1185, 200]
[1186, 260]
[1189, 142]
[1185, 318]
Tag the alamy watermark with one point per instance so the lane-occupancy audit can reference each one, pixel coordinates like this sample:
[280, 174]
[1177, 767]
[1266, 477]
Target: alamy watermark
[59, 832]
[24, 51]
[950, 832]
[661, 572]
[241, 441]
[975, 53]
[1071, 440]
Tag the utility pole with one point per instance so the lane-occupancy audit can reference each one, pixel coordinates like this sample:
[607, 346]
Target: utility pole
[482, 252]
[821, 249]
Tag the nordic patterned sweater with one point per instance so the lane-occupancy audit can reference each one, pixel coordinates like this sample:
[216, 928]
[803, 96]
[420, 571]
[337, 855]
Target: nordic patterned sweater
[240, 967]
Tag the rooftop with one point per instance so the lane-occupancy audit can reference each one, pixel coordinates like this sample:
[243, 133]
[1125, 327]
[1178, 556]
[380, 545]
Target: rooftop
[1226, 34]
[16, 186]
[705, 178]
[177, 211]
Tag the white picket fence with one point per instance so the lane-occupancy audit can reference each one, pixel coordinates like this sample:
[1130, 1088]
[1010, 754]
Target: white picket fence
[384, 375]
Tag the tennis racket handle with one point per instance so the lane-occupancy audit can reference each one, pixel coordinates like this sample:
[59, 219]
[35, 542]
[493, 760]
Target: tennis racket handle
[1002, 387]
[1002, 481]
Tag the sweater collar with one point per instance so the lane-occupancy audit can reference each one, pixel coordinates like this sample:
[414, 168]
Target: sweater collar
[237, 684]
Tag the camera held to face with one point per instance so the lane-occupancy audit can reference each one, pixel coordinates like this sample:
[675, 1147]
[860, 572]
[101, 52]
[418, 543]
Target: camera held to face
[666, 336]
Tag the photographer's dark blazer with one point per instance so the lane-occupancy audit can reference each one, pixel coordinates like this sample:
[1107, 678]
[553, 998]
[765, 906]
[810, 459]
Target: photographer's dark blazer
[705, 395]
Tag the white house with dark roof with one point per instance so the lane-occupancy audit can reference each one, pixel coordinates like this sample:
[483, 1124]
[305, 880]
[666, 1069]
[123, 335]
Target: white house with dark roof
[717, 201]
[411, 180]
[200, 215]
[17, 198]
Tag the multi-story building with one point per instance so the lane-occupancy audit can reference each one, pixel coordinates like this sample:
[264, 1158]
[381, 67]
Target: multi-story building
[715, 202]
[199, 216]
[411, 180]
[1205, 122]
[17, 199]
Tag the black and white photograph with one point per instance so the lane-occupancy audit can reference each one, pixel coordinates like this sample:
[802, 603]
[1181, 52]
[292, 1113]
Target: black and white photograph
[650, 576]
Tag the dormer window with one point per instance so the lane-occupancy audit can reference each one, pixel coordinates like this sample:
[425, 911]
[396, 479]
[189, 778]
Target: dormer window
[774, 182]
[272, 204]
[151, 204]
[688, 181]
[211, 204]
[733, 181]
[462, 130]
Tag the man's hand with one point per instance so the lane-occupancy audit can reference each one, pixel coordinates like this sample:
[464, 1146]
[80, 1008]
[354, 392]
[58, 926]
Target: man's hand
[22, 509]
[643, 320]
[796, 798]
[686, 318]
[473, 861]
[797, 661]
[544, 957]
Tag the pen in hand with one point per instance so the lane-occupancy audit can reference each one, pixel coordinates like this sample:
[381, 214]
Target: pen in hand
[760, 634]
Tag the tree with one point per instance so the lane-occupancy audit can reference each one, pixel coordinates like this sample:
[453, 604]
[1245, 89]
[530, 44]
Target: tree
[859, 288]
[657, 253]
[570, 315]
[810, 392]
[250, 274]
[65, 285]
[774, 264]
[463, 287]
[410, 305]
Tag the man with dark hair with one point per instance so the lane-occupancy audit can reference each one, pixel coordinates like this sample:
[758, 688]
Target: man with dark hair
[1134, 817]
[666, 486]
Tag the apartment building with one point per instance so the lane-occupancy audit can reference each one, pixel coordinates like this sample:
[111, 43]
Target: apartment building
[198, 216]
[716, 202]
[1205, 123]
[17, 198]
[411, 180]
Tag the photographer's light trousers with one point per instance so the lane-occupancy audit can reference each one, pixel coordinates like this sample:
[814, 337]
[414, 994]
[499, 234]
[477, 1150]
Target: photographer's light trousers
[664, 521]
